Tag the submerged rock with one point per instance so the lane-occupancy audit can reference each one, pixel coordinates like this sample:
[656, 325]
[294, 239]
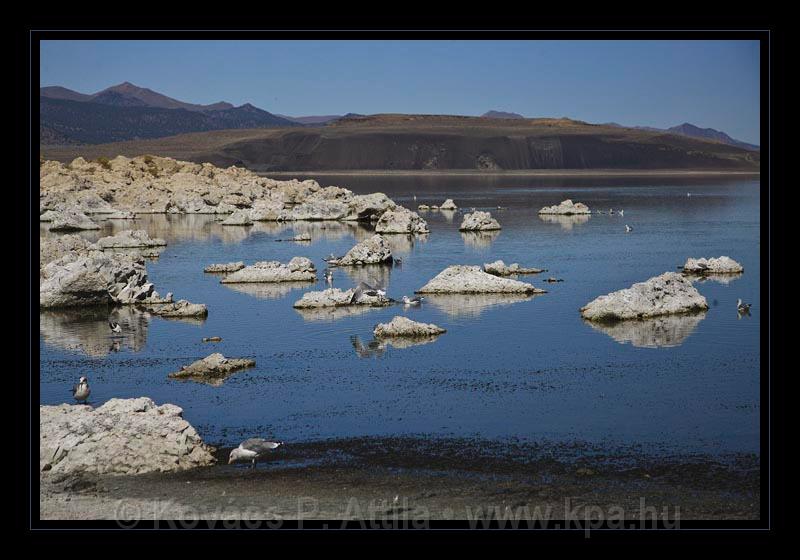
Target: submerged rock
[213, 368]
[402, 326]
[479, 221]
[459, 279]
[566, 208]
[374, 250]
[123, 436]
[667, 294]
[720, 265]
[130, 238]
[401, 220]
[227, 267]
[499, 268]
[334, 297]
[298, 269]
[71, 220]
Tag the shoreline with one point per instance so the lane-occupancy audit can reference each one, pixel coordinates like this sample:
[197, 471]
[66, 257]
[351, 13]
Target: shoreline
[420, 479]
[515, 173]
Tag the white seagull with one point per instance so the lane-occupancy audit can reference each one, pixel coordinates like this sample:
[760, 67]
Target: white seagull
[416, 300]
[329, 277]
[81, 390]
[114, 327]
[628, 228]
[252, 449]
[621, 212]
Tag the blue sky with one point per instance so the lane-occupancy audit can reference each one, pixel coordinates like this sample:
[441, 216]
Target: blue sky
[651, 83]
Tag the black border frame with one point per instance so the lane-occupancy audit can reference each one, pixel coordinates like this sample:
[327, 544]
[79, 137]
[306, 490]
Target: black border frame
[772, 101]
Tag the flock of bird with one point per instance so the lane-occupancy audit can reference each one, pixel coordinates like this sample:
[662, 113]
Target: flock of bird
[252, 449]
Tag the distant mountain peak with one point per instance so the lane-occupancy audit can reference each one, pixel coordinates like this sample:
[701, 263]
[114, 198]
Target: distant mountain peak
[501, 115]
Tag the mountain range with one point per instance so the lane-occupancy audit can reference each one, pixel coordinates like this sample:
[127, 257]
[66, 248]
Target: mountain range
[129, 112]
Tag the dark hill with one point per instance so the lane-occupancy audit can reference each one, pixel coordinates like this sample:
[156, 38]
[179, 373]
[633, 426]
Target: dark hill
[409, 142]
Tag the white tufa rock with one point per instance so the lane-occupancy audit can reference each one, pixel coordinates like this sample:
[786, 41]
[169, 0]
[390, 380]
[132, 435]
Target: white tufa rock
[566, 208]
[459, 279]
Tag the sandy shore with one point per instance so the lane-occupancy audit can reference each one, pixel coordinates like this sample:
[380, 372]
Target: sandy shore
[412, 481]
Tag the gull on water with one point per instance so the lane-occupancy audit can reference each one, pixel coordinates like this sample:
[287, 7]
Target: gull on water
[743, 307]
[81, 390]
[252, 449]
[628, 228]
[621, 212]
[329, 277]
[114, 327]
[416, 300]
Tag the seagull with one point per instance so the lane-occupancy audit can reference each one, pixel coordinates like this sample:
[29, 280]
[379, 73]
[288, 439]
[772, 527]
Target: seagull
[688, 194]
[743, 307]
[252, 449]
[397, 261]
[416, 300]
[415, 197]
[365, 289]
[628, 228]
[611, 211]
[114, 327]
[329, 277]
[81, 390]
[621, 212]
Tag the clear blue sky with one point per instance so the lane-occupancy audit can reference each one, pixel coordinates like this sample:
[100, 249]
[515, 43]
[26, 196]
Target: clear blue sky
[650, 83]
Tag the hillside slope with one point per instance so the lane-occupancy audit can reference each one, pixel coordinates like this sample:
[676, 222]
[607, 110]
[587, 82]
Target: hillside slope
[413, 142]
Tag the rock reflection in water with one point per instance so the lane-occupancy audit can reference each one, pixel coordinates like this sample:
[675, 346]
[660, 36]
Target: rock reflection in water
[323, 314]
[472, 305]
[448, 215]
[376, 275]
[86, 330]
[657, 332]
[566, 222]
[719, 278]
[375, 348]
[479, 239]
[268, 290]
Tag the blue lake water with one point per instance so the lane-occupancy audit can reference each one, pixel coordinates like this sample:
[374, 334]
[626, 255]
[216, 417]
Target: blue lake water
[508, 368]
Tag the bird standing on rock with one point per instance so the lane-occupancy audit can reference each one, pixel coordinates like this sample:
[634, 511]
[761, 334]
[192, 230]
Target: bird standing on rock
[81, 390]
[252, 449]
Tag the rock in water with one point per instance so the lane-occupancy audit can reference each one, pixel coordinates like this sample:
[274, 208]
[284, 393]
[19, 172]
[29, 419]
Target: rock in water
[479, 221]
[123, 436]
[71, 220]
[238, 218]
[130, 238]
[448, 205]
[227, 267]
[180, 308]
[298, 269]
[566, 208]
[458, 279]
[499, 268]
[401, 220]
[720, 265]
[667, 294]
[402, 326]
[334, 297]
[213, 367]
[374, 250]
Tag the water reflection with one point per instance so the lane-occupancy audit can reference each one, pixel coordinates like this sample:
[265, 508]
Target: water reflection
[448, 215]
[566, 222]
[268, 290]
[719, 278]
[479, 239]
[86, 330]
[376, 275]
[472, 305]
[657, 332]
[324, 314]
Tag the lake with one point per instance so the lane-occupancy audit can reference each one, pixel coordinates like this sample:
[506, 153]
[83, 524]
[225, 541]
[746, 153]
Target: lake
[523, 369]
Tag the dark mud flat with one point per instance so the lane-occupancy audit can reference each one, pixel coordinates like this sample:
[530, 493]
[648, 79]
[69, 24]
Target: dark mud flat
[411, 480]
